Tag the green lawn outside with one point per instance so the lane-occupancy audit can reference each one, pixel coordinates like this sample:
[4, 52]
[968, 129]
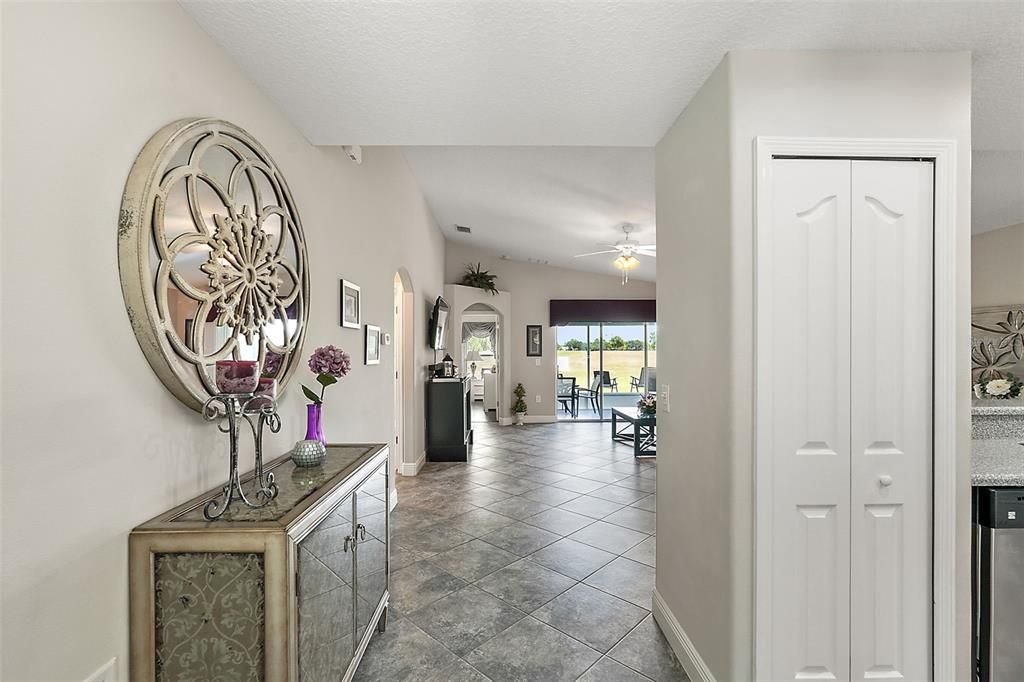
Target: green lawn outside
[622, 364]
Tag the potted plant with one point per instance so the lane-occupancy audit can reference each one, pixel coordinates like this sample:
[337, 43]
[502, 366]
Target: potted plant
[519, 406]
[647, 406]
[479, 278]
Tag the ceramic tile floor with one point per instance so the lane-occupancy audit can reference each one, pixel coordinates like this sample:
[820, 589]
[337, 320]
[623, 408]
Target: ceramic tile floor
[534, 562]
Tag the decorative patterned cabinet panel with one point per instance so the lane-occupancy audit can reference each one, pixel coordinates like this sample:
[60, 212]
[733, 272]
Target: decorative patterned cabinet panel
[290, 591]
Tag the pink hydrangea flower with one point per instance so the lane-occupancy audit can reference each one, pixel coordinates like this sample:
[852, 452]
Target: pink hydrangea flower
[331, 361]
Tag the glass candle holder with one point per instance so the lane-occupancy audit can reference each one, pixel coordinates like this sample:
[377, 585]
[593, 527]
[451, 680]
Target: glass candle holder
[237, 376]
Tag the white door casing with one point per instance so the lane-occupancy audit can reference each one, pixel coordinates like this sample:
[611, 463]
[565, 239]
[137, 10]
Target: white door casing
[891, 411]
[844, 415]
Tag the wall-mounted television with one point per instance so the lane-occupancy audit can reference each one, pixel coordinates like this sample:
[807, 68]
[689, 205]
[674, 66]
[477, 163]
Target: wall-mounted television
[438, 323]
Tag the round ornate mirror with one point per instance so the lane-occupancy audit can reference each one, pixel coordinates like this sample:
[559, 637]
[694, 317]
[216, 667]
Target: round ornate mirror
[212, 257]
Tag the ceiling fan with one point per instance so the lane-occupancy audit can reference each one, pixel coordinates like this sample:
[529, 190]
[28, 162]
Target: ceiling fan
[627, 250]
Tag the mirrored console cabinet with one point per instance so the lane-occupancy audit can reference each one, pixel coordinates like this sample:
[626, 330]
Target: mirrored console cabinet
[290, 591]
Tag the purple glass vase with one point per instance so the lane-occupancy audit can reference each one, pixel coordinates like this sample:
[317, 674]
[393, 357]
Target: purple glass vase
[315, 422]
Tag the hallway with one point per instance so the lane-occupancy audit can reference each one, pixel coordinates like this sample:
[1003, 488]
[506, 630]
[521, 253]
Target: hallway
[533, 562]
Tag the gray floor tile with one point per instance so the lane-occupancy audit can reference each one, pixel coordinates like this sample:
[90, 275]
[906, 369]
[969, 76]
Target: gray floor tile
[572, 558]
[615, 493]
[602, 475]
[419, 584]
[464, 620]
[403, 652]
[559, 521]
[532, 651]
[473, 560]
[591, 616]
[458, 671]
[649, 503]
[525, 584]
[609, 670]
[484, 496]
[609, 537]
[626, 579]
[515, 486]
[646, 485]
[579, 485]
[593, 507]
[520, 539]
[633, 518]
[551, 495]
[644, 552]
[646, 650]
[518, 507]
[433, 540]
[569, 468]
[479, 522]
[402, 557]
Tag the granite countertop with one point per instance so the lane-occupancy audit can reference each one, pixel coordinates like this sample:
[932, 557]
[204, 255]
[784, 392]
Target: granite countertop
[997, 461]
[1013, 409]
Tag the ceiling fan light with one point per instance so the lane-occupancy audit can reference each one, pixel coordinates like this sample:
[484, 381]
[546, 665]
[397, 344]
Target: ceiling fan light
[626, 262]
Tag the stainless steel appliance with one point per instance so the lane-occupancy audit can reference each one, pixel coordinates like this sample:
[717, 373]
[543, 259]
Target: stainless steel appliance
[1001, 585]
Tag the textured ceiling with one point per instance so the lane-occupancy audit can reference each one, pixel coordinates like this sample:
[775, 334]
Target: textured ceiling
[586, 73]
[542, 203]
[572, 72]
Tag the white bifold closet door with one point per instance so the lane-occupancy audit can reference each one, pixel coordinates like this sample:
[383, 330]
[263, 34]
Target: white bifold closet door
[849, 404]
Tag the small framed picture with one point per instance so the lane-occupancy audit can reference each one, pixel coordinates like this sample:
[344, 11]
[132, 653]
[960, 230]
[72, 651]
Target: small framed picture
[351, 305]
[534, 341]
[372, 344]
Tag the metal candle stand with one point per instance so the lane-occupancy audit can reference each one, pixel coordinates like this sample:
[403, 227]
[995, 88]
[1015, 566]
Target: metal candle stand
[259, 411]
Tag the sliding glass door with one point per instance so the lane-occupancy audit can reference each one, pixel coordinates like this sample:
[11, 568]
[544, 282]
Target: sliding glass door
[602, 366]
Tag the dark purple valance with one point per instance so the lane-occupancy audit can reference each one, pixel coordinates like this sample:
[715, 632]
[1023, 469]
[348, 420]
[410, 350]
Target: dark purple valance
[569, 311]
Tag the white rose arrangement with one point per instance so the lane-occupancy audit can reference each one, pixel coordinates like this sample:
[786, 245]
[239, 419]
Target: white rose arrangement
[1002, 388]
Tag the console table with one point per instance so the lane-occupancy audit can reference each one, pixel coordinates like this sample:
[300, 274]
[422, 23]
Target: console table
[290, 591]
[632, 428]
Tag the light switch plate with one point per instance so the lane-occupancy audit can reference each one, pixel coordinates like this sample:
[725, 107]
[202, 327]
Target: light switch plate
[537, 400]
[106, 673]
[665, 399]
[537, 362]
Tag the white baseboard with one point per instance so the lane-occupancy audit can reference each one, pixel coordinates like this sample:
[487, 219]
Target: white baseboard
[529, 419]
[393, 499]
[412, 468]
[686, 652]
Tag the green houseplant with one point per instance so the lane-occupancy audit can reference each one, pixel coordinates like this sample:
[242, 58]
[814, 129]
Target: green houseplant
[476, 276]
[519, 406]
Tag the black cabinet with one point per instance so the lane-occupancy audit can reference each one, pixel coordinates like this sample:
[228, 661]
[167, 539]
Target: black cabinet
[449, 427]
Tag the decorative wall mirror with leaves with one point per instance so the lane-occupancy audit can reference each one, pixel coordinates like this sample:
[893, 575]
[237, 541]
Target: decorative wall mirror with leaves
[212, 257]
[997, 342]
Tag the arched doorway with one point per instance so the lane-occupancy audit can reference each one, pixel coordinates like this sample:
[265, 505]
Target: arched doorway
[404, 379]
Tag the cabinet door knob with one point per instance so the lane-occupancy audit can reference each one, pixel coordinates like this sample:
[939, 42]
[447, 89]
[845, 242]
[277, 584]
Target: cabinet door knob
[349, 540]
[361, 531]
[885, 480]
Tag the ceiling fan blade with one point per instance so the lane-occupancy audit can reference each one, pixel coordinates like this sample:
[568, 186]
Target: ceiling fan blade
[645, 252]
[651, 247]
[595, 253]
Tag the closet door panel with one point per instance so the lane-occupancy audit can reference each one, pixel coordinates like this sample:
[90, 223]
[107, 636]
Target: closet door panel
[891, 419]
[804, 315]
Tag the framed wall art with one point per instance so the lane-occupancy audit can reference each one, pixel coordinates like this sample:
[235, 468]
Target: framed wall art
[371, 347]
[351, 305]
[534, 341]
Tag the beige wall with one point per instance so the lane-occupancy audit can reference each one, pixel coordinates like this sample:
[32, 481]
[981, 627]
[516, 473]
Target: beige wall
[532, 288]
[997, 267]
[93, 444]
[694, 217]
[806, 94]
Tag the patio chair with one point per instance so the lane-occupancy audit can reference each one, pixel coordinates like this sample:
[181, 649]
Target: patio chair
[592, 394]
[566, 394]
[609, 383]
[647, 382]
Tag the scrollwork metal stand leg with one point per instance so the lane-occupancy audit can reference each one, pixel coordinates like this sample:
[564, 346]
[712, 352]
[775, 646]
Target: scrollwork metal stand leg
[229, 409]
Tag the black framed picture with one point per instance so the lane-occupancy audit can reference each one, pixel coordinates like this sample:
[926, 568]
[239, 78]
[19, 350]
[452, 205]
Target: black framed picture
[534, 341]
[351, 304]
[372, 345]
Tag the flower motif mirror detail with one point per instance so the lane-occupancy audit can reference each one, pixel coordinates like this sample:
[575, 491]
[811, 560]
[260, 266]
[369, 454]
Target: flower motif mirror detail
[212, 257]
